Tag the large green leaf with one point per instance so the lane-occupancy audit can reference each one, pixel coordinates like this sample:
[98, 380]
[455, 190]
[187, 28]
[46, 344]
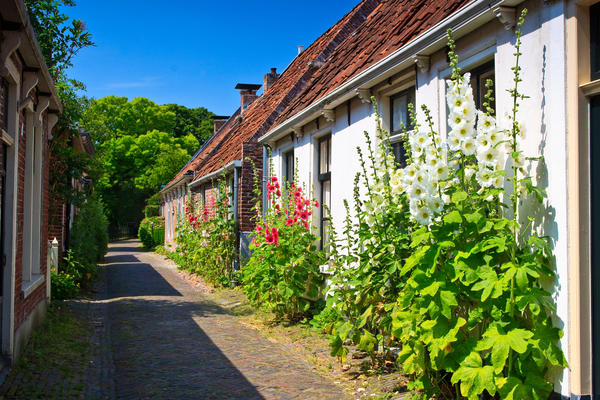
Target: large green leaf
[474, 377]
[501, 343]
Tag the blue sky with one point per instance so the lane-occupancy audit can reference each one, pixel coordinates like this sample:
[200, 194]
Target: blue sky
[194, 52]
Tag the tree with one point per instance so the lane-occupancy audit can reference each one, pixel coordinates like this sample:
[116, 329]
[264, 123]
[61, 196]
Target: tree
[112, 117]
[135, 167]
[195, 121]
[60, 37]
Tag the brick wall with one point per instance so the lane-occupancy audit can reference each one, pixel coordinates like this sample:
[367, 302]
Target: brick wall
[253, 151]
[25, 306]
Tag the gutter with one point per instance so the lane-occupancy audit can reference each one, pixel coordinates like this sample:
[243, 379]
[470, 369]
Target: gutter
[185, 177]
[213, 175]
[462, 22]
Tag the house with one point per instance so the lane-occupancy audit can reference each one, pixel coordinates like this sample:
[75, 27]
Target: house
[29, 109]
[62, 212]
[233, 151]
[398, 55]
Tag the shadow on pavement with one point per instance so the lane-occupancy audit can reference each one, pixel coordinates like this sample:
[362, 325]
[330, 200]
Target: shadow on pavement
[159, 350]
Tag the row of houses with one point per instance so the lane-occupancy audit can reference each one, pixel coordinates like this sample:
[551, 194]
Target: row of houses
[30, 219]
[315, 112]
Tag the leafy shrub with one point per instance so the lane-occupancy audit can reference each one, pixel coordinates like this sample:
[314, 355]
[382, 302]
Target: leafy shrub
[152, 210]
[282, 274]
[206, 239]
[63, 286]
[89, 236]
[152, 232]
[471, 317]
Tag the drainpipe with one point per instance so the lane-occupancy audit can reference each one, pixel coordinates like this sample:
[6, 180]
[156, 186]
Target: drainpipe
[236, 261]
[265, 173]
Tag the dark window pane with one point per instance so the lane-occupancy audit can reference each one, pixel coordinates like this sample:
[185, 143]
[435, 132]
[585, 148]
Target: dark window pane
[595, 41]
[324, 155]
[399, 154]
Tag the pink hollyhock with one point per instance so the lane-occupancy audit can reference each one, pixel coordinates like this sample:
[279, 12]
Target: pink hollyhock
[258, 228]
[303, 215]
[306, 225]
[298, 194]
[278, 193]
[307, 202]
[275, 234]
[289, 222]
[254, 242]
[273, 179]
[316, 204]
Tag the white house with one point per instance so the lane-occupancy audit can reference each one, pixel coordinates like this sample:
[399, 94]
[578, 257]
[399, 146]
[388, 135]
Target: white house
[398, 55]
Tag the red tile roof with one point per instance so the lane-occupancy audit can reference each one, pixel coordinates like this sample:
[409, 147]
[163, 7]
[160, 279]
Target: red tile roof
[392, 25]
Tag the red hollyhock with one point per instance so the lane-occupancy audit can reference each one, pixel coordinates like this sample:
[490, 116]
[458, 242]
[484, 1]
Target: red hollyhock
[304, 215]
[306, 225]
[275, 234]
[269, 239]
[289, 222]
[316, 204]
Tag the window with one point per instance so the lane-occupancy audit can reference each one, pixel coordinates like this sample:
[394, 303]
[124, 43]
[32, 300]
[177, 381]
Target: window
[400, 118]
[479, 76]
[595, 42]
[325, 184]
[288, 166]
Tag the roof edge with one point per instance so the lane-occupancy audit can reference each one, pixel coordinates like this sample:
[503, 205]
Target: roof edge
[210, 176]
[472, 15]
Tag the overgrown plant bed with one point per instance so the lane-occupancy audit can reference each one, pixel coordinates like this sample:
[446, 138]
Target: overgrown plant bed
[357, 375]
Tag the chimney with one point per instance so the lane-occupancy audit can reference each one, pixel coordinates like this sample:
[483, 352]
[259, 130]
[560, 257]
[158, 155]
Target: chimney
[247, 94]
[218, 121]
[300, 49]
[270, 79]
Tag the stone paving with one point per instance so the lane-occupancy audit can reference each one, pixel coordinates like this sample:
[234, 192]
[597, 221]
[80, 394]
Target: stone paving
[155, 336]
[169, 341]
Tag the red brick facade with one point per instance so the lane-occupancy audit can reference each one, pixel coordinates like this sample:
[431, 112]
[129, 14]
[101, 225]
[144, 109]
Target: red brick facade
[29, 108]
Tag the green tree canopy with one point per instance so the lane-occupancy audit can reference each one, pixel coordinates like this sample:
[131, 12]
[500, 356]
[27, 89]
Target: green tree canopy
[141, 146]
[194, 121]
[135, 167]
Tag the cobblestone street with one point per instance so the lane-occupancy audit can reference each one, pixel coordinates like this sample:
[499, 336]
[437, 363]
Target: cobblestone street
[156, 337]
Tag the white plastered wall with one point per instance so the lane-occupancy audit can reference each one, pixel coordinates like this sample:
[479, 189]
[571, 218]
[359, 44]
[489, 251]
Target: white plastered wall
[543, 116]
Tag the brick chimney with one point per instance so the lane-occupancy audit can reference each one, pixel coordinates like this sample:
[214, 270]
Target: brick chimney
[270, 79]
[218, 121]
[247, 94]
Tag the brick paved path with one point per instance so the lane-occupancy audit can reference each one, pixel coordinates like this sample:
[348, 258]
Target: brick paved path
[169, 341]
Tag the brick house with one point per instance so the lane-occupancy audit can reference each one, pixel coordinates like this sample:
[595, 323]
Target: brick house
[61, 213]
[234, 147]
[29, 109]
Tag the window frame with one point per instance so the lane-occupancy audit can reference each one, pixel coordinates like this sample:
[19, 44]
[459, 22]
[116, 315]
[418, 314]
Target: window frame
[323, 178]
[285, 167]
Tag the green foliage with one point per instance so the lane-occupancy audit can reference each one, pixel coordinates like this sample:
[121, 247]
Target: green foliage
[89, 236]
[63, 286]
[60, 37]
[135, 167]
[458, 286]
[191, 121]
[206, 242]
[140, 147]
[152, 232]
[282, 275]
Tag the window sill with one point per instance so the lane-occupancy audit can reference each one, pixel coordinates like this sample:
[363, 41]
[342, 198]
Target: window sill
[591, 88]
[30, 286]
